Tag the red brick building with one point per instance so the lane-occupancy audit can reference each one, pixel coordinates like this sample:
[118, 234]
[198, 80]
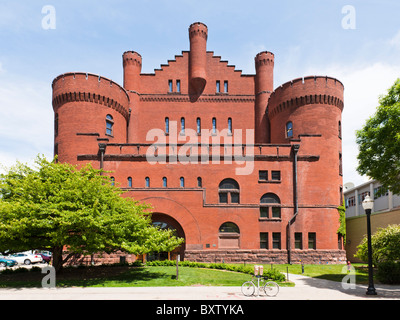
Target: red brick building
[242, 171]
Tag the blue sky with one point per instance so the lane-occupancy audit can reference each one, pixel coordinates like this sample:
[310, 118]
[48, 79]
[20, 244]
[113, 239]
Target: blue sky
[307, 38]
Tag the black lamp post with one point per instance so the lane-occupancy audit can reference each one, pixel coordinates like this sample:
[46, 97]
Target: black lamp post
[368, 204]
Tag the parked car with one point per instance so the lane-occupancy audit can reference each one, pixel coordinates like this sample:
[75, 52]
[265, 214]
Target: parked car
[45, 257]
[26, 258]
[4, 262]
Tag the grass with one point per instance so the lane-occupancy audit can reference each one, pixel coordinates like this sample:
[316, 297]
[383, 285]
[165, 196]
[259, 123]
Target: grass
[129, 276]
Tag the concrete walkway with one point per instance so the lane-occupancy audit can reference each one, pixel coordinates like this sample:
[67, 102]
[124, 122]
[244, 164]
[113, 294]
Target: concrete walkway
[305, 289]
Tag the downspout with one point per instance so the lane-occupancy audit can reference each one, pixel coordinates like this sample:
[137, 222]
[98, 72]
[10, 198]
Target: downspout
[295, 149]
[102, 150]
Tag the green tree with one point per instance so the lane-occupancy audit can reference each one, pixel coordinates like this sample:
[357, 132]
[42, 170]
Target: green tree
[385, 245]
[379, 142]
[56, 206]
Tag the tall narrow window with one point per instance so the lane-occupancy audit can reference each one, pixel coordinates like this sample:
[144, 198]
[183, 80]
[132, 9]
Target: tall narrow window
[109, 125]
[226, 86]
[112, 181]
[182, 125]
[263, 240]
[340, 129]
[182, 182]
[198, 122]
[298, 240]
[178, 86]
[289, 130]
[164, 182]
[147, 180]
[214, 125]
[312, 240]
[129, 182]
[230, 125]
[199, 182]
[167, 126]
[276, 240]
[218, 87]
[169, 85]
[56, 124]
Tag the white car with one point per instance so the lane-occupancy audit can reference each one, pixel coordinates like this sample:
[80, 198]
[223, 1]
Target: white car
[26, 258]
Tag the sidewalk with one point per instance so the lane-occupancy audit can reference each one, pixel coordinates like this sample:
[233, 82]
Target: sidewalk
[305, 289]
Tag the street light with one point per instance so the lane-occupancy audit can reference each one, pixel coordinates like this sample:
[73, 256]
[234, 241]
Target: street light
[368, 204]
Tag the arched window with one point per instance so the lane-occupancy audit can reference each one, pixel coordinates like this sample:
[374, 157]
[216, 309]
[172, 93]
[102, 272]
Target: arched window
[230, 125]
[182, 125]
[109, 125]
[182, 182]
[198, 122]
[228, 191]
[229, 227]
[289, 130]
[147, 181]
[199, 182]
[129, 182]
[229, 236]
[166, 125]
[214, 125]
[270, 206]
[164, 182]
[112, 181]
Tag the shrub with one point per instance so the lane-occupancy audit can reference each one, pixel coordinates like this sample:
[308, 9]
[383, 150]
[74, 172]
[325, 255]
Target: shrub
[389, 272]
[385, 245]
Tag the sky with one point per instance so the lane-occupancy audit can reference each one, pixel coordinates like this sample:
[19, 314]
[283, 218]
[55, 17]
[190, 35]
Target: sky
[355, 41]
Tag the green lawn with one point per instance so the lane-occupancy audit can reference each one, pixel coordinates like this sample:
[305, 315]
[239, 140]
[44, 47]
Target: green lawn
[124, 276]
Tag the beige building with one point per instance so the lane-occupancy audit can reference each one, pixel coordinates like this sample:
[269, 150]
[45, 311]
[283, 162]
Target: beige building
[386, 211]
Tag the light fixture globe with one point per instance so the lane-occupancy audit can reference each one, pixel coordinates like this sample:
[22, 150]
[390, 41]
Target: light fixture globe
[368, 203]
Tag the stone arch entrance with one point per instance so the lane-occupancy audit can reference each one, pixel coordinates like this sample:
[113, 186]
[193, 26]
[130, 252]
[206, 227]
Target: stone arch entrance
[165, 221]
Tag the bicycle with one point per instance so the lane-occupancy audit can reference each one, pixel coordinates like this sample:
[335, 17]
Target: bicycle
[270, 288]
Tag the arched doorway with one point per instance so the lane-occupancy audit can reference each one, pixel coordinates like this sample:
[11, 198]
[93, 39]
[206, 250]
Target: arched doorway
[164, 221]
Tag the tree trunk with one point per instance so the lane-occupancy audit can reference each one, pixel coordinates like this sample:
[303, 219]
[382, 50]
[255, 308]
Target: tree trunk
[57, 258]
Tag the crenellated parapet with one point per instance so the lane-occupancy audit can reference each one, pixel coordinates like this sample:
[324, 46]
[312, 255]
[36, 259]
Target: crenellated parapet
[304, 91]
[87, 87]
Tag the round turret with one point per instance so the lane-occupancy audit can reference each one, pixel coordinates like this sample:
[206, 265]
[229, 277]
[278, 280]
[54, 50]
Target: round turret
[264, 83]
[198, 34]
[86, 107]
[132, 63]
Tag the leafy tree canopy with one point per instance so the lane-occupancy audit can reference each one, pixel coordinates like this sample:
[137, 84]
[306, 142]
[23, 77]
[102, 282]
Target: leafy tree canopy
[379, 142]
[56, 206]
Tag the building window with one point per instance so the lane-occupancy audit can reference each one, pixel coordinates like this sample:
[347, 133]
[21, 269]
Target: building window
[147, 180]
[214, 125]
[340, 129]
[229, 227]
[229, 191]
[199, 182]
[340, 164]
[270, 203]
[112, 181]
[167, 126]
[182, 126]
[263, 240]
[182, 179]
[276, 175]
[56, 124]
[129, 182]
[298, 240]
[198, 122]
[276, 240]
[178, 86]
[109, 125]
[262, 175]
[169, 85]
[218, 87]
[312, 237]
[226, 86]
[164, 182]
[229, 125]
[289, 130]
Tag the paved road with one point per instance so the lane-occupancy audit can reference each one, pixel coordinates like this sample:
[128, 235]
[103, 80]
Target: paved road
[305, 289]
